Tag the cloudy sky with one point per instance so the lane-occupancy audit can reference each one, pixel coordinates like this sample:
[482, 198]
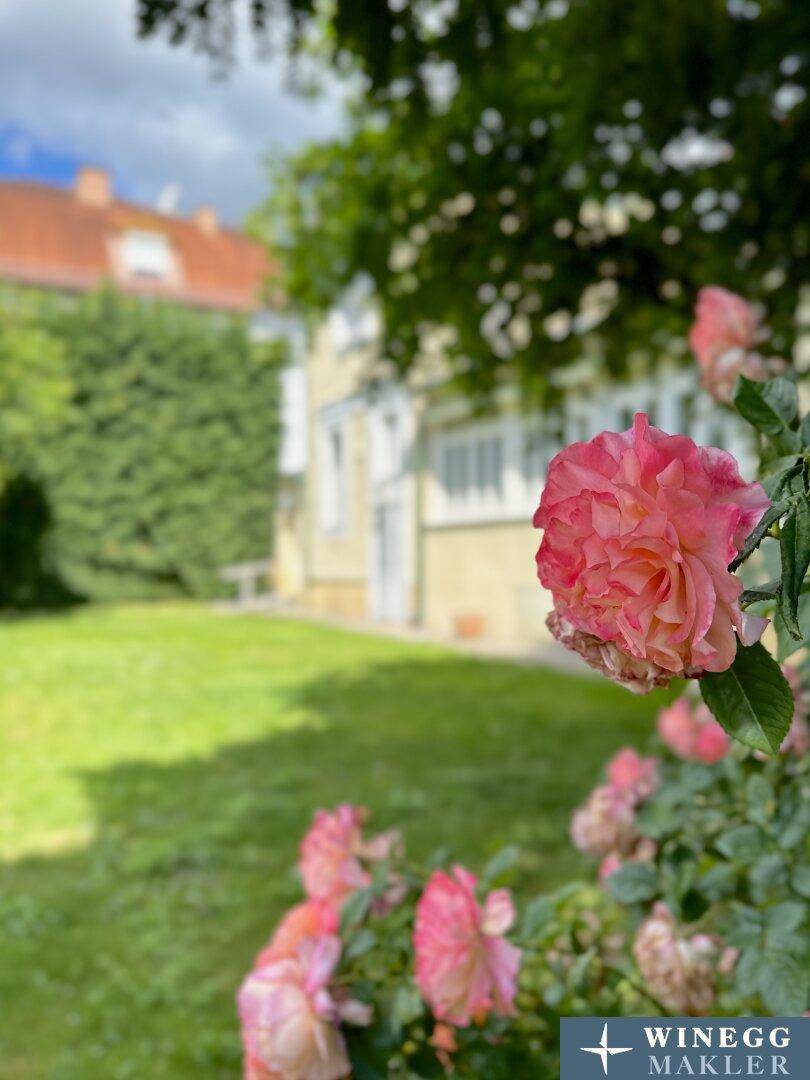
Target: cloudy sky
[76, 85]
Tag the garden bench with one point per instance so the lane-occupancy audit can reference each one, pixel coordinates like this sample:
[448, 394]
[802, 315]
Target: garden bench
[245, 576]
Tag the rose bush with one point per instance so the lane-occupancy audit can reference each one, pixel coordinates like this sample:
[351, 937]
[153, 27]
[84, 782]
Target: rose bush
[700, 847]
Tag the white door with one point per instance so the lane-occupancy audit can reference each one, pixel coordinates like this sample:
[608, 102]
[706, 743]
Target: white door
[390, 499]
[388, 590]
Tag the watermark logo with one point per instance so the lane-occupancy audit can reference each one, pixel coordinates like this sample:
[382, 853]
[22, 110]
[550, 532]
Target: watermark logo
[604, 1051]
[631, 1047]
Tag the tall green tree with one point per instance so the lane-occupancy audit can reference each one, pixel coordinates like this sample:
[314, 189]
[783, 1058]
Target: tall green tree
[546, 179]
[34, 390]
[164, 469]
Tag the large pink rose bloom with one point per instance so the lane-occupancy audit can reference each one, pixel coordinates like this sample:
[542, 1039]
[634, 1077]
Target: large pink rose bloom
[290, 1019]
[465, 967]
[723, 337]
[639, 529]
[333, 853]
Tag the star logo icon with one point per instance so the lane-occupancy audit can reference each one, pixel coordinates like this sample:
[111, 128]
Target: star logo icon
[603, 1051]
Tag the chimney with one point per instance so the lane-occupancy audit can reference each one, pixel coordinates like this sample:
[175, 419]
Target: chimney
[205, 218]
[92, 187]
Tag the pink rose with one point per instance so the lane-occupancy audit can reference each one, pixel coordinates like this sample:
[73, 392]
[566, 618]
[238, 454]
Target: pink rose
[290, 1019]
[333, 853]
[711, 741]
[309, 919]
[639, 529]
[633, 775]
[692, 733]
[677, 728]
[678, 970]
[605, 823]
[723, 337]
[465, 967]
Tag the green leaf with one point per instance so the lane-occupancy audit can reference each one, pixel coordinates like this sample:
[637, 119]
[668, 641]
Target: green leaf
[800, 880]
[719, 881]
[776, 474]
[782, 920]
[748, 970]
[500, 862]
[787, 483]
[355, 909]
[757, 534]
[745, 926]
[794, 547]
[438, 858]
[751, 700]
[659, 818]
[767, 877]
[360, 943]
[771, 407]
[783, 985]
[761, 800]
[539, 913]
[795, 829]
[787, 915]
[786, 643]
[633, 882]
[805, 430]
[744, 843]
[406, 1006]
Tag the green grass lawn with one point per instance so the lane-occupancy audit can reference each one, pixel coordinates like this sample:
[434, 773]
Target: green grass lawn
[158, 766]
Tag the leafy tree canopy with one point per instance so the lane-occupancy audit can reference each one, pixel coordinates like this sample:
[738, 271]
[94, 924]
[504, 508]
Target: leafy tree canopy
[547, 179]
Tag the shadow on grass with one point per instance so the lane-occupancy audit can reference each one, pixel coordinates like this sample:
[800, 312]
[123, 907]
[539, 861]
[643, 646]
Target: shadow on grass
[121, 959]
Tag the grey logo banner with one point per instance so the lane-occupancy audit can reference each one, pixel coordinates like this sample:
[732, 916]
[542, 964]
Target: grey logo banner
[632, 1047]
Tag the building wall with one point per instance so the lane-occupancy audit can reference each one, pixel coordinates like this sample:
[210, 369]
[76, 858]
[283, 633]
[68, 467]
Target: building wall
[289, 555]
[479, 581]
[336, 558]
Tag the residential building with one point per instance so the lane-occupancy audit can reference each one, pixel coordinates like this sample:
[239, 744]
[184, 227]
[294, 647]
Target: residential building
[71, 240]
[403, 507]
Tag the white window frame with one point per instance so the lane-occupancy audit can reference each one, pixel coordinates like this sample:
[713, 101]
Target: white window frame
[292, 457]
[333, 479]
[147, 255]
[583, 415]
[501, 495]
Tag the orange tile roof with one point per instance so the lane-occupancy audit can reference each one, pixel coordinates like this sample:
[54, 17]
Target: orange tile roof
[50, 238]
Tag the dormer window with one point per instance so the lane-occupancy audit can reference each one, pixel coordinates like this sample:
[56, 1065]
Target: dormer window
[147, 255]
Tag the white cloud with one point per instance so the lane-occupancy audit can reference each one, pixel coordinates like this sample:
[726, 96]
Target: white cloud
[75, 78]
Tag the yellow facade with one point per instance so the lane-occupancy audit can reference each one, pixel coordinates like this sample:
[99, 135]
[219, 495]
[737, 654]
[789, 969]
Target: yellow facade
[466, 580]
[478, 581]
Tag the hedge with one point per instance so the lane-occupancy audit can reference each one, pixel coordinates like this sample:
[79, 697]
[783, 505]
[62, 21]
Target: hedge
[163, 470]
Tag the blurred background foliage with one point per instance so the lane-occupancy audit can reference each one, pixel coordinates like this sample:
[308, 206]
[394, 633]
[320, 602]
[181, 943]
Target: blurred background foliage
[545, 179]
[156, 465]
